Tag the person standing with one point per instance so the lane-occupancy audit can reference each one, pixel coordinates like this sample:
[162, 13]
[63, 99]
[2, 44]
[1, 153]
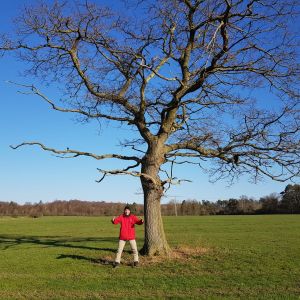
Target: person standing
[127, 233]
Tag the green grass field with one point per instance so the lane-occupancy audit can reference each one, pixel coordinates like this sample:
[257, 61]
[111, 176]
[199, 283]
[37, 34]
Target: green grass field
[243, 257]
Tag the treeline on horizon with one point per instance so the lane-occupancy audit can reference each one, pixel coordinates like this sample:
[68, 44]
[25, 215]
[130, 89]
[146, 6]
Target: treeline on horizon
[287, 202]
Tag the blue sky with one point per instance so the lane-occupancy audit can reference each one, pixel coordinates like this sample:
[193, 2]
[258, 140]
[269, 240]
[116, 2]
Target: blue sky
[30, 175]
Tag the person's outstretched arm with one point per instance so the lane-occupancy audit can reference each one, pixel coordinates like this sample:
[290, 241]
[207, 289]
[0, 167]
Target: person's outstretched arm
[116, 220]
[139, 221]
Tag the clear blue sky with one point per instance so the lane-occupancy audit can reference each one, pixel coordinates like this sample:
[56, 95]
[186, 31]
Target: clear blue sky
[30, 174]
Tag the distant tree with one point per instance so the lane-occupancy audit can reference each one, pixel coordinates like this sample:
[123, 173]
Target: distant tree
[247, 205]
[221, 206]
[291, 198]
[270, 203]
[183, 208]
[232, 207]
[181, 74]
[133, 207]
[208, 208]
[13, 209]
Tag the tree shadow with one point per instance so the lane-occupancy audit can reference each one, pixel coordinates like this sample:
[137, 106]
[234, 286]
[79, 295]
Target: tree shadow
[102, 261]
[8, 241]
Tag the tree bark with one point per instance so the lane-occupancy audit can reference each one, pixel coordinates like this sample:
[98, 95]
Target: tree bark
[155, 240]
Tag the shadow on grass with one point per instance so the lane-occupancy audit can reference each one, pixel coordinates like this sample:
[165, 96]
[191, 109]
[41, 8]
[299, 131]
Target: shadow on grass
[8, 241]
[101, 261]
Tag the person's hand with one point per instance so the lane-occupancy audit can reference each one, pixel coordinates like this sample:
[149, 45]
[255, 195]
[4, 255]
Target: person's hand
[142, 221]
[113, 219]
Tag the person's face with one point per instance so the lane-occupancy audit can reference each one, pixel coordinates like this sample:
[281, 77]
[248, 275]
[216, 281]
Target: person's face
[127, 212]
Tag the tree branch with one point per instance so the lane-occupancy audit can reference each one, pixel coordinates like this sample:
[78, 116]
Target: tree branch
[36, 91]
[76, 153]
[126, 172]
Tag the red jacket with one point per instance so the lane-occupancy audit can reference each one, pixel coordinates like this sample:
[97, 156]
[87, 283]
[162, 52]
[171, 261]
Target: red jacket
[127, 231]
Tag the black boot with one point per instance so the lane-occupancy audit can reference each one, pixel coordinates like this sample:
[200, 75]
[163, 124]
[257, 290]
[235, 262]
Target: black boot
[135, 263]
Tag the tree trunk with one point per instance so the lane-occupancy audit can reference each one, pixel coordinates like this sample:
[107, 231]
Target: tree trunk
[155, 239]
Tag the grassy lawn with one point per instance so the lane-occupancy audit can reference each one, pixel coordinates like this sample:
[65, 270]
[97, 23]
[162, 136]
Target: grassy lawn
[243, 257]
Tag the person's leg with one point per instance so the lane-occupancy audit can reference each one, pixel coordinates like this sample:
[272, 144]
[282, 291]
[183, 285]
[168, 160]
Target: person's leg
[120, 250]
[134, 250]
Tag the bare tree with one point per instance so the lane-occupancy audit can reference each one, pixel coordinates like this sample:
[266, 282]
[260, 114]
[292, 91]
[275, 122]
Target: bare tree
[206, 82]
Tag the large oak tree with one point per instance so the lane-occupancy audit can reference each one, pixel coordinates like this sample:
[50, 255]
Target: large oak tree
[207, 82]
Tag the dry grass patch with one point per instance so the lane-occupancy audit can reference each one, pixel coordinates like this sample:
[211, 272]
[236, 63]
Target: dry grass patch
[188, 252]
[182, 253]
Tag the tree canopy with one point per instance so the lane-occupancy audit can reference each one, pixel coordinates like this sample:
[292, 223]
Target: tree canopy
[198, 80]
